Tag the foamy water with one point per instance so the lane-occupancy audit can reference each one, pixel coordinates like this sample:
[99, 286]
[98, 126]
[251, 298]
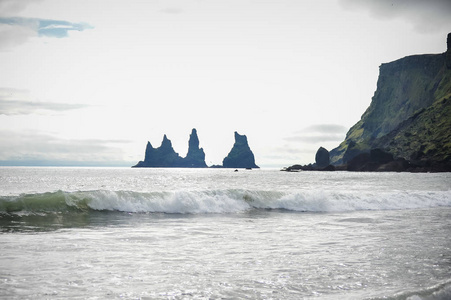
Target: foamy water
[93, 233]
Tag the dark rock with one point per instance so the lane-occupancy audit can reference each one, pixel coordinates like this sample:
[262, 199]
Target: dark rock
[217, 166]
[293, 168]
[241, 155]
[322, 158]
[309, 167]
[196, 156]
[165, 156]
[380, 157]
[377, 160]
[398, 165]
[359, 162]
[161, 157]
[328, 168]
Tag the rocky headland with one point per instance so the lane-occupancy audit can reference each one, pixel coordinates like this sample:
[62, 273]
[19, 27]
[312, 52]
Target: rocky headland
[407, 126]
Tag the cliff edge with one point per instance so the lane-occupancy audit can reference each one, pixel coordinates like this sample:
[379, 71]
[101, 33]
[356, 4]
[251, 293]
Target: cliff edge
[409, 115]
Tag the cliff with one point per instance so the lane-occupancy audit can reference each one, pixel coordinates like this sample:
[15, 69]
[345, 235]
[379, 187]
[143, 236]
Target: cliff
[165, 156]
[424, 139]
[409, 114]
[241, 155]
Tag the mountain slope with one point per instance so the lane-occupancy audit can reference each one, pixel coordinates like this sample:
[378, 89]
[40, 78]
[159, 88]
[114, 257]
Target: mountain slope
[409, 112]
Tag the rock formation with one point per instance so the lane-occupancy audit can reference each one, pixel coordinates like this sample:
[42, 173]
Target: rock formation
[165, 156]
[196, 156]
[322, 158]
[241, 155]
[322, 163]
[409, 115]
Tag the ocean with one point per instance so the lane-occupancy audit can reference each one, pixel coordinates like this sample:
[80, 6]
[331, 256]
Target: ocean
[125, 233]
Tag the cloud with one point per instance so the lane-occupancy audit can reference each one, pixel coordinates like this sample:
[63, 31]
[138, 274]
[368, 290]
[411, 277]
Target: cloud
[32, 146]
[9, 7]
[314, 139]
[426, 16]
[326, 128]
[11, 36]
[30, 107]
[15, 31]
[15, 102]
[172, 10]
[45, 27]
[319, 133]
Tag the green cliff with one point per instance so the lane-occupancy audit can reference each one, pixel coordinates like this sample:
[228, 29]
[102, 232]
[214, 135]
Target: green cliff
[409, 114]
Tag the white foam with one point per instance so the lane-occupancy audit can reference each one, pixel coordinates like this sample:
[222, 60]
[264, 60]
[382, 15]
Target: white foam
[166, 202]
[231, 201]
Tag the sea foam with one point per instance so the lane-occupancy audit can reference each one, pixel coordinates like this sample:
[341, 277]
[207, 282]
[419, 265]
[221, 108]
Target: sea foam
[220, 201]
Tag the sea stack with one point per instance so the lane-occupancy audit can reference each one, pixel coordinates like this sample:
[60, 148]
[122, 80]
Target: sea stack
[196, 156]
[161, 157]
[322, 158]
[241, 155]
[165, 156]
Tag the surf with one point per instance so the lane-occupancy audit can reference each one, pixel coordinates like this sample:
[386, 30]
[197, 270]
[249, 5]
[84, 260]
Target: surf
[218, 201]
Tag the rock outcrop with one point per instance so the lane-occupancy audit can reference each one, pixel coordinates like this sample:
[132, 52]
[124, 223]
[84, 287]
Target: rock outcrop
[409, 115]
[241, 155]
[322, 158]
[196, 156]
[322, 163]
[165, 156]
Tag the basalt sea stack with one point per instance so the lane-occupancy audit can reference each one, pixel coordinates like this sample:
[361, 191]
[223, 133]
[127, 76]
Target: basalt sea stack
[165, 156]
[241, 155]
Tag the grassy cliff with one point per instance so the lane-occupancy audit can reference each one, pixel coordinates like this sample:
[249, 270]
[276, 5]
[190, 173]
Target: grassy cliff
[409, 112]
[424, 136]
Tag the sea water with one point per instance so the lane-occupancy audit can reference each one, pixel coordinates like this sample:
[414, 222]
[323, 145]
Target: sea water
[122, 233]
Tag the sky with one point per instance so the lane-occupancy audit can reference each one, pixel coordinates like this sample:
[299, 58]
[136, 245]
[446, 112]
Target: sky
[89, 82]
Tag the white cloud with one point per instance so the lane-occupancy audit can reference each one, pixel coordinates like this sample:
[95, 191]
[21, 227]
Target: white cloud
[426, 16]
[11, 36]
[17, 102]
[10, 7]
[319, 133]
[35, 146]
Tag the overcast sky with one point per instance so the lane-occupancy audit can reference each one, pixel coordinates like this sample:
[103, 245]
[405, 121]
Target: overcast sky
[91, 81]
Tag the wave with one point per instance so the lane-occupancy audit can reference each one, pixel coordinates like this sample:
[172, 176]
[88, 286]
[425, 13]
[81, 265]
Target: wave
[438, 292]
[218, 201]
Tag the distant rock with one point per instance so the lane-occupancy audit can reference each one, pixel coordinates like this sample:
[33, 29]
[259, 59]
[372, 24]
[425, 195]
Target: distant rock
[196, 156]
[322, 163]
[241, 155]
[322, 158]
[165, 156]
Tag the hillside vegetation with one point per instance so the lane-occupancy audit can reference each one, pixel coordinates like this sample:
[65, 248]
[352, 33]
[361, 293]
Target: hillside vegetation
[409, 115]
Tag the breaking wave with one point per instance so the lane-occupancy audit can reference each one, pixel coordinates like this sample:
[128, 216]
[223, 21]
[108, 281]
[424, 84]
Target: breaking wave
[218, 201]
